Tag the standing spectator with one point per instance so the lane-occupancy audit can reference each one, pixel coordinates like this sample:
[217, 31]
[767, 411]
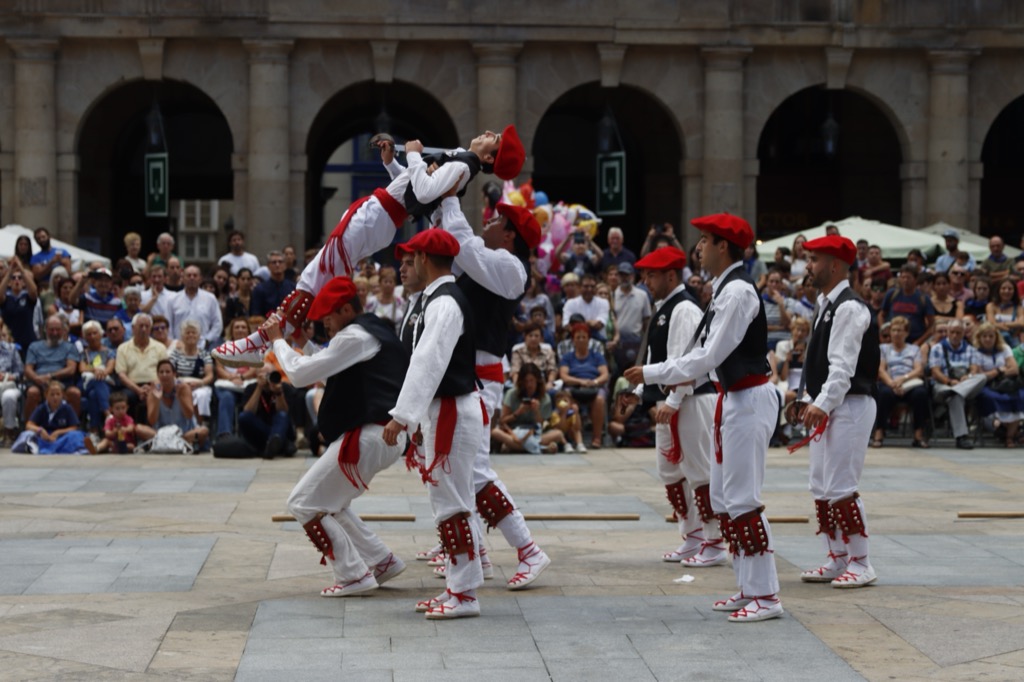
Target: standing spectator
[54, 359]
[916, 257]
[136, 360]
[616, 253]
[18, 301]
[663, 235]
[23, 251]
[237, 257]
[584, 255]
[175, 280]
[267, 296]
[908, 301]
[12, 371]
[96, 297]
[798, 260]
[632, 312]
[944, 262]
[900, 379]
[291, 263]
[946, 307]
[194, 367]
[133, 245]
[998, 265]
[220, 278]
[958, 288]
[1005, 313]
[999, 402]
[156, 300]
[97, 366]
[240, 303]
[754, 266]
[776, 308]
[164, 251]
[47, 258]
[876, 269]
[593, 309]
[585, 373]
[116, 334]
[862, 253]
[954, 370]
[193, 303]
[570, 290]
[385, 304]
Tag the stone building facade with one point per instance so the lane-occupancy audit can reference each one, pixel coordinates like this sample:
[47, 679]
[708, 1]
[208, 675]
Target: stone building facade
[277, 85]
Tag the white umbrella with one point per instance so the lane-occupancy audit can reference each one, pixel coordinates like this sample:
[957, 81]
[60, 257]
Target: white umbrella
[80, 258]
[971, 242]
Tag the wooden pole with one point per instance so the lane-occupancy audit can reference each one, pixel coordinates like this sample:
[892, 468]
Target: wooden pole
[282, 518]
[581, 517]
[990, 515]
[771, 519]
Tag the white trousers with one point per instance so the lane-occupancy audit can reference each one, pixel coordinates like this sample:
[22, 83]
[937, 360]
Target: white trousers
[201, 396]
[368, 231]
[324, 489]
[453, 494]
[748, 421]
[694, 424]
[513, 527]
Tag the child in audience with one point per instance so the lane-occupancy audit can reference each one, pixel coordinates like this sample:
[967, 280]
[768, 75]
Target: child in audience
[53, 426]
[566, 418]
[119, 429]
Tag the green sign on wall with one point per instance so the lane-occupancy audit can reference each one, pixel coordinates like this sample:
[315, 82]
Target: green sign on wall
[157, 185]
[611, 183]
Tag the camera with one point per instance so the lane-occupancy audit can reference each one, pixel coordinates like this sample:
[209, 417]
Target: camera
[659, 229]
[579, 238]
[274, 377]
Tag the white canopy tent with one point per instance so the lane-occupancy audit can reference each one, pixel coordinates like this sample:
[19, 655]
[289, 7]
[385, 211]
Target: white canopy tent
[895, 241]
[971, 242]
[80, 258]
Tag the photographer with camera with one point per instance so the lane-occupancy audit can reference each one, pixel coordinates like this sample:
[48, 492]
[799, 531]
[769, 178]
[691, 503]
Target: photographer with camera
[583, 258]
[264, 421]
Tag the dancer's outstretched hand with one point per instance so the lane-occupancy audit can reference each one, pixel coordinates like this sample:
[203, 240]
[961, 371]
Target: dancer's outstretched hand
[273, 327]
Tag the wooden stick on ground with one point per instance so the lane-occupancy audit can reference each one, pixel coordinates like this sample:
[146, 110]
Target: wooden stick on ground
[581, 517]
[990, 515]
[282, 518]
[771, 519]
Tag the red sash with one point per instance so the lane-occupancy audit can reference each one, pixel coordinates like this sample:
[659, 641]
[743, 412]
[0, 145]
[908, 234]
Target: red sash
[493, 372]
[815, 436]
[395, 211]
[348, 457]
[746, 382]
[444, 435]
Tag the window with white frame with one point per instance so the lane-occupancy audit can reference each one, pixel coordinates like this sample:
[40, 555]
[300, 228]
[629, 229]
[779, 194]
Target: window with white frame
[197, 229]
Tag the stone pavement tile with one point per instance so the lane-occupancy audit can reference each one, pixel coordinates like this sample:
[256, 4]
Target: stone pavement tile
[53, 619]
[309, 606]
[354, 661]
[478, 674]
[76, 578]
[227, 617]
[471, 657]
[587, 670]
[15, 579]
[199, 652]
[287, 627]
[512, 643]
[151, 584]
[584, 644]
[40, 668]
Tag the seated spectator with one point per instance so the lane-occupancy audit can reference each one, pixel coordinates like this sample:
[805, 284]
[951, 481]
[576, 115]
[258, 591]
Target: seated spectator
[231, 382]
[593, 309]
[116, 334]
[612, 332]
[901, 380]
[67, 303]
[524, 411]
[776, 309]
[264, 422]
[946, 306]
[193, 366]
[997, 265]
[999, 403]
[754, 266]
[54, 359]
[169, 403]
[12, 371]
[52, 429]
[532, 351]
[132, 305]
[789, 356]
[566, 418]
[161, 331]
[385, 304]
[136, 363]
[958, 283]
[96, 364]
[95, 295]
[1005, 313]
[18, 300]
[534, 298]
[539, 316]
[954, 370]
[239, 304]
[119, 429]
[907, 300]
[976, 307]
[585, 374]
[630, 424]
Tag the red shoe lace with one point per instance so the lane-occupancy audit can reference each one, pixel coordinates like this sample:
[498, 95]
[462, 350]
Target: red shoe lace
[384, 566]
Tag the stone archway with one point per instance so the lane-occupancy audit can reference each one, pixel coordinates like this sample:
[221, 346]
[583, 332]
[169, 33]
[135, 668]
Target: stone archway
[406, 111]
[1001, 210]
[565, 148]
[826, 155]
[111, 146]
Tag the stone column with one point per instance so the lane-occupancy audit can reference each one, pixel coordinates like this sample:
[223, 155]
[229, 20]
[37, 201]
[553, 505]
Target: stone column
[948, 138]
[722, 187]
[35, 126]
[496, 88]
[267, 225]
[692, 171]
[7, 185]
[914, 188]
[67, 193]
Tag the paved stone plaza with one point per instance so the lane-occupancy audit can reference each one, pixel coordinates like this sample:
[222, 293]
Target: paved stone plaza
[163, 567]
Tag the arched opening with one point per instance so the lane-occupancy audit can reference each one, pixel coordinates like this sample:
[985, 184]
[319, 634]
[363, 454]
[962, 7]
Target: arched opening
[1001, 210]
[565, 151]
[341, 167]
[826, 155]
[112, 144]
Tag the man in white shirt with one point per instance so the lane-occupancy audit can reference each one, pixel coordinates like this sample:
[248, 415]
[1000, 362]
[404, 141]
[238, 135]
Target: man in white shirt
[237, 257]
[193, 303]
[593, 308]
[156, 300]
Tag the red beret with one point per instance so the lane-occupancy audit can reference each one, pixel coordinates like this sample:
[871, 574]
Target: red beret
[834, 245]
[665, 258]
[335, 294]
[435, 242]
[401, 250]
[511, 155]
[526, 225]
[729, 227]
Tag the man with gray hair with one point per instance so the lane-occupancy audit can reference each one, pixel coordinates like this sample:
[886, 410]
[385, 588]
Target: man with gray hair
[267, 295]
[616, 253]
[55, 359]
[137, 359]
[194, 303]
[164, 251]
[956, 378]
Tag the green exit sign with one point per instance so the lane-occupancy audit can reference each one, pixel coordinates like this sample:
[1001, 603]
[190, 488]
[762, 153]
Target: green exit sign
[611, 183]
[157, 186]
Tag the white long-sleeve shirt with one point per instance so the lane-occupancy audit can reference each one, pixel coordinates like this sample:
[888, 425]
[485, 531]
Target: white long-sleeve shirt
[736, 305]
[432, 351]
[682, 326]
[350, 346]
[203, 308]
[850, 321]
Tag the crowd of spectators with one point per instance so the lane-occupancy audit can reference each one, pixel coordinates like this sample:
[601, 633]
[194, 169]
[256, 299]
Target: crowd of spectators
[128, 347]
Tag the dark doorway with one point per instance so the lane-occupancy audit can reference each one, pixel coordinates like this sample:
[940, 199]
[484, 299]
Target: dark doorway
[565, 156]
[1001, 210]
[401, 109]
[826, 155]
[111, 147]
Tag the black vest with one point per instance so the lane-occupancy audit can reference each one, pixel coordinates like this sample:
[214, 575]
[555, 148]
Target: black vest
[460, 375]
[409, 323]
[492, 315]
[751, 356]
[657, 339]
[419, 210]
[816, 361]
[363, 393]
